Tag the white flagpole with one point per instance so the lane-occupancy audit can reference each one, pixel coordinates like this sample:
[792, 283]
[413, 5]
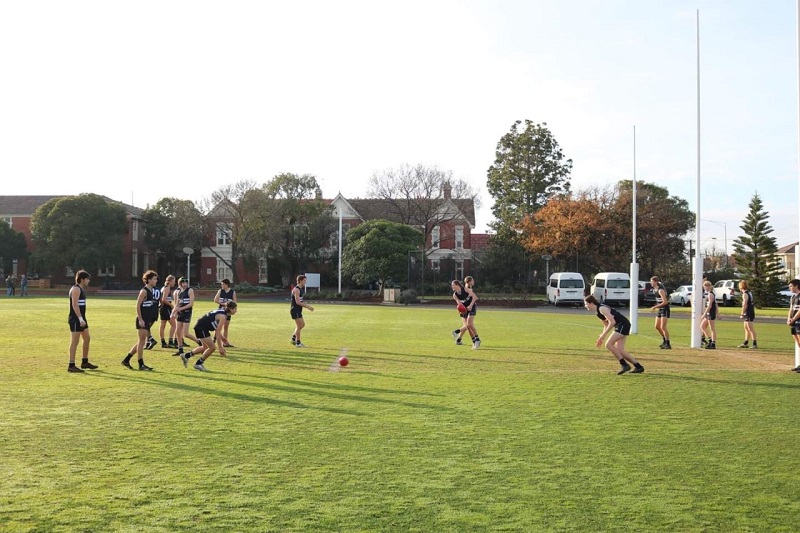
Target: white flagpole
[698, 262]
[634, 301]
[797, 248]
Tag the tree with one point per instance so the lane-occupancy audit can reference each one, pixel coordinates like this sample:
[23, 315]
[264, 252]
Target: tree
[12, 246]
[172, 225]
[79, 232]
[528, 170]
[754, 253]
[377, 250]
[424, 197]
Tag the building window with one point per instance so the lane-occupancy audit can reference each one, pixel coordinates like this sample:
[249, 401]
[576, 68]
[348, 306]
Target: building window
[459, 239]
[108, 271]
[435, 265]
[435, 232]
[223, 235]
[70, 273]
[459, 269]
[7, 220]
[223, 270]
[135, 264]
[262, 271]
[134, 229]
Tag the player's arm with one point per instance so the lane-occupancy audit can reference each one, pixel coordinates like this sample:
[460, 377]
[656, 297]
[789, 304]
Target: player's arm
[216, 297]
[744, 304]
[608, 322]
[474, 298]
[139, 300]
[191, 298]
[221, 339]
[233, 297]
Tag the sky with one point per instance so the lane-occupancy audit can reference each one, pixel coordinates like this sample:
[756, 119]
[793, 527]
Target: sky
[142, 100]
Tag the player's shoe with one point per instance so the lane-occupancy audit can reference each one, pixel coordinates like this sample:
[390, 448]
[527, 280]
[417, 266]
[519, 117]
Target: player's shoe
[228, 346]
[74, 369]
[625, 368]
[476, 345]
[455, 334]
[143, 366]
[185, 345]
[637, 370]
[87, 364]
[184, 360]
[165, 345]
[743, 345]
[754, 347]
[127, 364]
[199, 366]
[299, 344]
[151, 343]
[668, 346]
[664, 343]
[459, 343]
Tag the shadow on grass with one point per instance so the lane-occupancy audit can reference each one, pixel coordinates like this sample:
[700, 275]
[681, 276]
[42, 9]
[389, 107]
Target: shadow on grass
[683, 377]
[317, 384]
[144, 378]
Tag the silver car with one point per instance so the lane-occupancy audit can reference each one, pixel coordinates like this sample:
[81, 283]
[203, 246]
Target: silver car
[682, 296]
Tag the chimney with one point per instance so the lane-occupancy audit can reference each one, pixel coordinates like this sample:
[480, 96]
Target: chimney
[318, 193]
[447, 189]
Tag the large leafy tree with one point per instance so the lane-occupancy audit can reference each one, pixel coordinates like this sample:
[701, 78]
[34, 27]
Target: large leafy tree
[528, 170]
[83, 231]
[754, 254]
[377, 250]
[418, 195]
[12, 246]
[172, 225]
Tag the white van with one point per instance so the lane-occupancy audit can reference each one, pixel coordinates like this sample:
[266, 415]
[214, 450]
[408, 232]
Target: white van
[565, 288]
[613, 288]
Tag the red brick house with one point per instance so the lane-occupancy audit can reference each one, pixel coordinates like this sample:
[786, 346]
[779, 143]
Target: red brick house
[18, 210]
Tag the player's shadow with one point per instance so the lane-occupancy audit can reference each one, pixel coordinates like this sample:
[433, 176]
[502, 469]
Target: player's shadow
[152, 380]
[684, 377]
[337, 386]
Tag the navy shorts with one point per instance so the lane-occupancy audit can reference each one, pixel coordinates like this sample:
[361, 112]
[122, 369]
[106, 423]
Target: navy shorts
[202, 333]
[711, 315]
[795, 328]
[185, 316]
[663, 312]
[165, 312]
[623, 328]
[75, 325]
[296, 313]
[147, 323]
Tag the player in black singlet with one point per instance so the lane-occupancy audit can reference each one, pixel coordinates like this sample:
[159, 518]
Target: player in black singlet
[662, 308]
[146, 315]
[794, 315]
[708, 324]
[165, 307]
[616, 321]
[78, 327]
[296, 309]
[748, 315]
[463, 294]
[225, 294]
[204, 328]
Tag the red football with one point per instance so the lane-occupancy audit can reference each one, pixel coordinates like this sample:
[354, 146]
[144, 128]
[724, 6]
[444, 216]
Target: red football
[461, 308]
[344, 361]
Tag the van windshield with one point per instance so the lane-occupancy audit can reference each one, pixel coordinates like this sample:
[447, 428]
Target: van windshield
[618, 284]
[571, 284]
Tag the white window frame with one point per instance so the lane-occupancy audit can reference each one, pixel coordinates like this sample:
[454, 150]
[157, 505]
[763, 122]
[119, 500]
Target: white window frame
[435, 237]
[108, 271]
[8, 220]
[435, 266]
[134, 264]
[223, 270]
[262, 271]
[459, 240]
[459, 268]
[134, 229]
[223, 235]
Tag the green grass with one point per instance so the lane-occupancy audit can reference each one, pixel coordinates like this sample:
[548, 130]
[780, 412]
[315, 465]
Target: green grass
[532, 432]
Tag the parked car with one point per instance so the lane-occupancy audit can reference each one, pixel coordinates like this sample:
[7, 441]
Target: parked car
[726, 292]
[786, 295]
[682, 295]
[646, 295]
[566, 288]
[612, 288]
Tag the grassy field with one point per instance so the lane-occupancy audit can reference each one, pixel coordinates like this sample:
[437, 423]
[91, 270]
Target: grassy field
[534, 431]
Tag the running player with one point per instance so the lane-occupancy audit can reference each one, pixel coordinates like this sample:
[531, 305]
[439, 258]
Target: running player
[748, 315]
[794, 314]
[146, 315]
[78, 327]
[662, 307]
[204, 328]
[616, 321]
[296, 309]
[165, 313]
[225, 294]
[708, 325]
[463, 294]
[183, 298]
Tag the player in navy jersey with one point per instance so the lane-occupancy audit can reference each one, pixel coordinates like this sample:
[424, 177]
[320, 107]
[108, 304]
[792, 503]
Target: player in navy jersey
[165, 307]
[619, 326]
[225, 294]
[662, 308]
[708, 324]
[748, 315]
[296, 307]
[465, 295]
[794, 314]
[183, 298]
[146, 315]
[78, 327]
[206, 325]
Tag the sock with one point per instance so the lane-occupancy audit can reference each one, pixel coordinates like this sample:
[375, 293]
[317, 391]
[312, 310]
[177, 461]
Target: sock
[755, 343]
[71, 365]
[746, 342]
[200, 361]
[141, 362]
[85, 359]
[128, 358]
[623, 362]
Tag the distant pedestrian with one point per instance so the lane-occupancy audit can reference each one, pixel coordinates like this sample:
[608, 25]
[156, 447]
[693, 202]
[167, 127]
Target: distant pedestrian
[708, 324]
[794, 314]
[23, 285]
[78, 327]
[225, 294]
[296, 310]
[9, 286]
[619, 326]
[146, 304]
[662, 308]
[748, 315]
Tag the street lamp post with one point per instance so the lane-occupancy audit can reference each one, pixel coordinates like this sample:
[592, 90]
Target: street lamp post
[188, 251]
[725, 230]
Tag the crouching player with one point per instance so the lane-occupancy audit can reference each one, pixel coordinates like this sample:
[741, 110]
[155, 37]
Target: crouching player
[204, 330]
[616, 321]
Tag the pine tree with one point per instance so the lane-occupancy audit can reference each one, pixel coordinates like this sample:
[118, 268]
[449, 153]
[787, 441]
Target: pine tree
[754, 253]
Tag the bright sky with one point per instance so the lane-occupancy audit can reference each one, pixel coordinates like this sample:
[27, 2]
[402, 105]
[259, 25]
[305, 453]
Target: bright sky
[141, 100]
